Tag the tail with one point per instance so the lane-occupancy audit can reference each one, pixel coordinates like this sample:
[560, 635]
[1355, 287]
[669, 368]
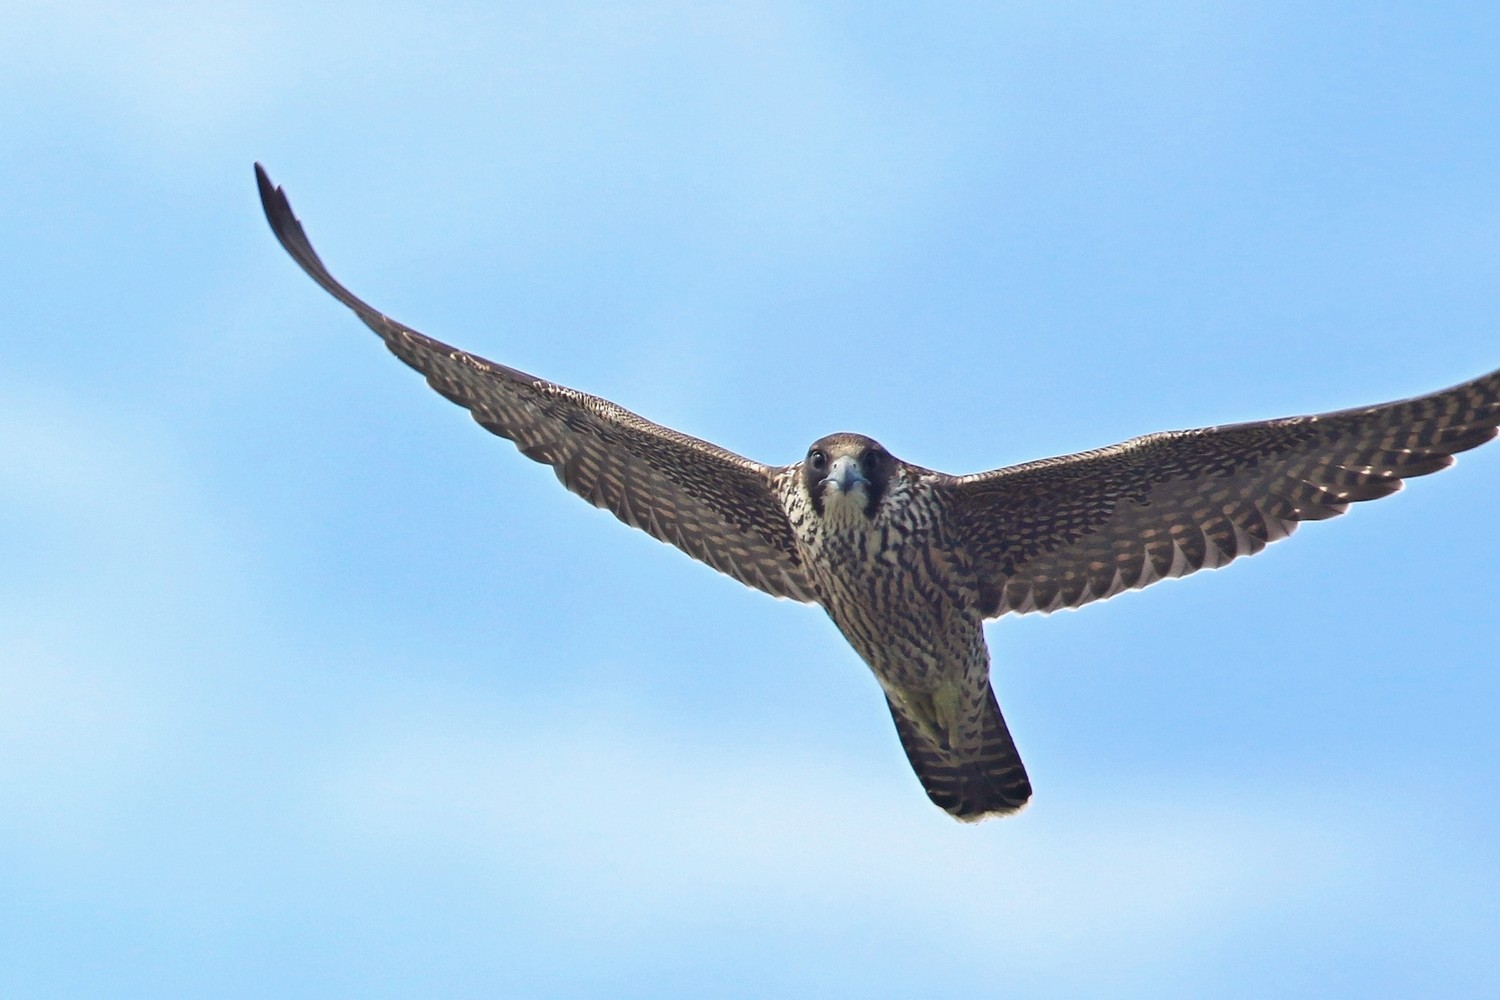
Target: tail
[973, 782]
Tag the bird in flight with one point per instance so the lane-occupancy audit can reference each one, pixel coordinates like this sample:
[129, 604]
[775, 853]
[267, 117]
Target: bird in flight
[909, 562]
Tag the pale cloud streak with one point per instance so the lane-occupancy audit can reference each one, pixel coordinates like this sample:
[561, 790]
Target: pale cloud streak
[610, 815]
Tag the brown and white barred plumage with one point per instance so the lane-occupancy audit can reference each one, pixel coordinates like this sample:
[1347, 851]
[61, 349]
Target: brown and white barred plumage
[905, 596]
[911, 562]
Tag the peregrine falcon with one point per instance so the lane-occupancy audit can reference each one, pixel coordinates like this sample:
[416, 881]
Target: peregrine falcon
[909, 562]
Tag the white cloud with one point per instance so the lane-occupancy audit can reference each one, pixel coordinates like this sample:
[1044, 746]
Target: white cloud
[176, 71]
[756, 128]
[119, 601]
[613, 816]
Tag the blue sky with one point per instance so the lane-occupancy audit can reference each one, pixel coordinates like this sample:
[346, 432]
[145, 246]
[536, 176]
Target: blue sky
[308, 687]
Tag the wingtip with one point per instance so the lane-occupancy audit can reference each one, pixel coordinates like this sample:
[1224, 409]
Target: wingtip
[288, 230]
[273, 201]
[263, 183]
[293, 239]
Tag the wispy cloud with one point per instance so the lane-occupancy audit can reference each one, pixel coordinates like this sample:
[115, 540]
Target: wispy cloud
[608, 813]
[164, 74]
[119, 600]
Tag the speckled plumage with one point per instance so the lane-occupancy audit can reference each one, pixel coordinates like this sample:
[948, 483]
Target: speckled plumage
[889, 574]
[909, 562]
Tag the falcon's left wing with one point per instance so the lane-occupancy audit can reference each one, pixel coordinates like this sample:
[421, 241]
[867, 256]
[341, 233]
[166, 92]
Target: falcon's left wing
[715, 505]
[1065, 531]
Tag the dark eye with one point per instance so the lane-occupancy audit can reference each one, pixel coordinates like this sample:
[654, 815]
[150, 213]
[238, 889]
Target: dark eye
[817, 459]
[872, 460]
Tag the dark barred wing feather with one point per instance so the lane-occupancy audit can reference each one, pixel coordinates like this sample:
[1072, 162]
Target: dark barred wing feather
[716, 506]
[1062, 532]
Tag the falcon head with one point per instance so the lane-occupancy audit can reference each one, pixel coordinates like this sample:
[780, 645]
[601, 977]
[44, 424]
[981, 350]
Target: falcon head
[847, 475]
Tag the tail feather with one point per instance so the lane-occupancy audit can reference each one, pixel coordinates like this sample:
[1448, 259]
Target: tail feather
[973, 782]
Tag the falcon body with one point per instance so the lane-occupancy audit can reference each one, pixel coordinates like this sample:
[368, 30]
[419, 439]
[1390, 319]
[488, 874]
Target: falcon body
[909, 562]
[876, 536]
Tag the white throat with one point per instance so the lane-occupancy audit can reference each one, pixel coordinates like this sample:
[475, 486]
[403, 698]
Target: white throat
[837, 503]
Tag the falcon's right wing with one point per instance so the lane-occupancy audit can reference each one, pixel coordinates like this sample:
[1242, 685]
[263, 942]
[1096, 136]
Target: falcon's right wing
[1066, 531]
[716, 506]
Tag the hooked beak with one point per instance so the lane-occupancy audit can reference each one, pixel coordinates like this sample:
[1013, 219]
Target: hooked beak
[844, 475]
